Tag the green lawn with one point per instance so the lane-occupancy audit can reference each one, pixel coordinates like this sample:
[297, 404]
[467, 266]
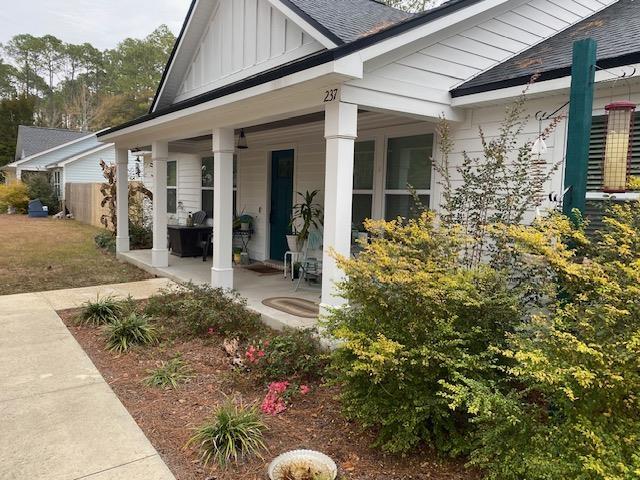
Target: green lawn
[44, 254]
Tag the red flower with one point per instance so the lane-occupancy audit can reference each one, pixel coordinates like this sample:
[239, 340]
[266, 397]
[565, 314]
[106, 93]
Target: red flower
[304, 389]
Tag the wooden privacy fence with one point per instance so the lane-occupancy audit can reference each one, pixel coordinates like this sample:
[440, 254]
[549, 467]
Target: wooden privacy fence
[83, 200]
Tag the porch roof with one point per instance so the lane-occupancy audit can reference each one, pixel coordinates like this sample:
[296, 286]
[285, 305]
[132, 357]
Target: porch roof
[355, 39]
[613, 28]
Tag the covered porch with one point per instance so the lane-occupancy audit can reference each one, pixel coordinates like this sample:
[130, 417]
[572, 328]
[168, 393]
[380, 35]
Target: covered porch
[359, 153]
[252, 286]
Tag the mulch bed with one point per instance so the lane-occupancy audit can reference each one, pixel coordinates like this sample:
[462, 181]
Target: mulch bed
[167, 417]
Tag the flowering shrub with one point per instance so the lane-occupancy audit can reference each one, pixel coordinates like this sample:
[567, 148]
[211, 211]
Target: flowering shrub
[280, 395]
[203, 310]
[290, 354]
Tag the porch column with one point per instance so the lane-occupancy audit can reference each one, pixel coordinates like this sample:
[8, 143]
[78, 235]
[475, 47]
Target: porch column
[122, 200]
[159, 156]
[223, 150]
[341, 130]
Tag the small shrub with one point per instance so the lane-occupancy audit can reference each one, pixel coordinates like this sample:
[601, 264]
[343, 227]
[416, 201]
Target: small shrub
[234, 432]
[106, 241]
[280, 396]
[100, 312]
[202, 310]
[124, 333]
[416, 319]
[169, 374]
[40, 186]
[14, 194]
[141, 237]
[292, 354]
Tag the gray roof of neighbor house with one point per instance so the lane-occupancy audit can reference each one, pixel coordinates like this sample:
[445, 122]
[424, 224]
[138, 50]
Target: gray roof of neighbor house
[347, 20]
[616, 29]
[32, 140]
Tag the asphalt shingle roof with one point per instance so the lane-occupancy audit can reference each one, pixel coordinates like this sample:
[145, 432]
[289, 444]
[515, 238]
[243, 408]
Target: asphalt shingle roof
[349, 20]
[616, 29]
[32, 140]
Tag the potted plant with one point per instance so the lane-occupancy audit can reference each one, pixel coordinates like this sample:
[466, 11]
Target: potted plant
[245, 222]
[237, 255]
[305, 215]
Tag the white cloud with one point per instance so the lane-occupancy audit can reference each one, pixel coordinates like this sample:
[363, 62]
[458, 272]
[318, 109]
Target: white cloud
[102, 23]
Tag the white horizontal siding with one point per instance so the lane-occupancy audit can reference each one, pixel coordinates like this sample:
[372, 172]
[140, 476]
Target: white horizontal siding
[87, 169]
[436, 65]
[243, 37]
[59, 154]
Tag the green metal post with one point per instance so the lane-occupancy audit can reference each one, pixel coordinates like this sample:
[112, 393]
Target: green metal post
[579, 135]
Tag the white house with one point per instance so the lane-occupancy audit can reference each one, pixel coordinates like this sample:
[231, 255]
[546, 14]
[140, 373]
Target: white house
[344, 97]
[68, 156]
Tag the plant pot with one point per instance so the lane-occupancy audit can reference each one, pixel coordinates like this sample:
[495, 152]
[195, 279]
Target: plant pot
[292, 242]
[244, 259]
[237, 258]
[302, 465]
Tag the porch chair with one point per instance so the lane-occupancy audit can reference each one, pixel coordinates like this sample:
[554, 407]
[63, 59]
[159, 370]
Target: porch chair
[310, 267]
[199, 217]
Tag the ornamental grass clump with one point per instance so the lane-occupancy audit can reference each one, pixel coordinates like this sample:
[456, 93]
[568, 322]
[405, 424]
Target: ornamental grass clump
[169, 374]
[132, 330]
[102, 311]
[233, 433]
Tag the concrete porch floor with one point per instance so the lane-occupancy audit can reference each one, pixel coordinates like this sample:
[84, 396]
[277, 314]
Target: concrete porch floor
[250, 285]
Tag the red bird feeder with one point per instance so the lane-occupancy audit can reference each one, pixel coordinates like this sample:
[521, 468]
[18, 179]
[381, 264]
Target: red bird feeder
[617, 153]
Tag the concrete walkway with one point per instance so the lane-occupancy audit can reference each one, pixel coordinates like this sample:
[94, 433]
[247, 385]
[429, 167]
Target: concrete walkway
[58, 417]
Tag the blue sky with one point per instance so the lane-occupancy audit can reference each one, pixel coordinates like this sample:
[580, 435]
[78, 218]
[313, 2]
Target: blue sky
[102, 23]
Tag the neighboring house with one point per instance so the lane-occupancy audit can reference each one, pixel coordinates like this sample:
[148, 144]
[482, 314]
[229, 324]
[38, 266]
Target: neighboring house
[345, 97]
[67, 156]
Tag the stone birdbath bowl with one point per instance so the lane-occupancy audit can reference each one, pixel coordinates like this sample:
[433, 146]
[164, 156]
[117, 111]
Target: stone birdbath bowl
[303, 465]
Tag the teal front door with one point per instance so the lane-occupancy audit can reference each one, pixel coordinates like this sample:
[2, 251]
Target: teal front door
[281, 201]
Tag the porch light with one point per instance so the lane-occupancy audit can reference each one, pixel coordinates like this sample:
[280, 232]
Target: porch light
[242, 141]
[617, 153]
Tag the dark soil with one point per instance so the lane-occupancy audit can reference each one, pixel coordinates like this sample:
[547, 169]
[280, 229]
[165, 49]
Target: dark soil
[168, 416]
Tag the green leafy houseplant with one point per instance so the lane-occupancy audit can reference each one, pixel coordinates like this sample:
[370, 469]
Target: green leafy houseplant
[124, 333]
[305, 215]
[169, 374]
[234, 432]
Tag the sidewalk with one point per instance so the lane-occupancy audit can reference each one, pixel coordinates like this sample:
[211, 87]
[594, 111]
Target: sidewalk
[58, 417]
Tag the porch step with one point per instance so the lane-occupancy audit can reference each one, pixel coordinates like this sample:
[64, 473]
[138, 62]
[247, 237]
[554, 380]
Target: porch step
[277, 264]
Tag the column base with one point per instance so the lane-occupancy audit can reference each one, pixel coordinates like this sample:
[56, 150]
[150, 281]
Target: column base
[159, 258]
[122, 244]
[222, 278]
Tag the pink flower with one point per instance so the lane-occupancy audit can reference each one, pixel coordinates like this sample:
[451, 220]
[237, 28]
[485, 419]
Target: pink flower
[211, 331]
[304, 389]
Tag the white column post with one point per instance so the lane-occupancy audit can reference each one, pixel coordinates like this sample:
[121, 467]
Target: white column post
[122, 200]
[159, 156]
[223, 150]
[341, 130]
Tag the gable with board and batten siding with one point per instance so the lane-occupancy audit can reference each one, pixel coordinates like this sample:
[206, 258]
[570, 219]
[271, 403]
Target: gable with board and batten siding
[240, 38]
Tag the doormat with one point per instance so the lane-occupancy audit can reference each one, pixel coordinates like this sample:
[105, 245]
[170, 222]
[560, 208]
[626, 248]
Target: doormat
[293, 306]
[263, 269]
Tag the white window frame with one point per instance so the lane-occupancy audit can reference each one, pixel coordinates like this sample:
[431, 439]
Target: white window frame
[372, 190]
[404, 192]
[57, 182]
[173, 187]
[211, 189]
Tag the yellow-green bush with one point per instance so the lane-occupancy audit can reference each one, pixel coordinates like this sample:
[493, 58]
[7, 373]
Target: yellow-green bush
[536, 387]
[416, 320]
[14, 194]
[568, 405]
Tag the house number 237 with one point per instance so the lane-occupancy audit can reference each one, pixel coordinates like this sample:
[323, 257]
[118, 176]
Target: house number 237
[330, 95]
